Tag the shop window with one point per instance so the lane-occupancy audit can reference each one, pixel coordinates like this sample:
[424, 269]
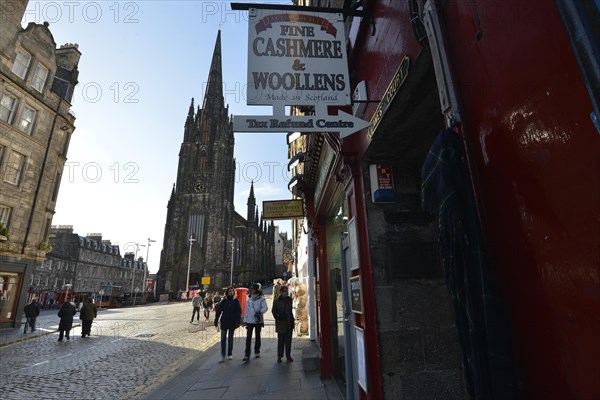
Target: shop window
[9, 295]
[21, 65]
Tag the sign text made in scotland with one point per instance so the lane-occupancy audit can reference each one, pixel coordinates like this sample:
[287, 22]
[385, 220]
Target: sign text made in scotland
[297, 58]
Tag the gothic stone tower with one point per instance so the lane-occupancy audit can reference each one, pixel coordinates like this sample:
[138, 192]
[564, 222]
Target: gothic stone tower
[201, 203]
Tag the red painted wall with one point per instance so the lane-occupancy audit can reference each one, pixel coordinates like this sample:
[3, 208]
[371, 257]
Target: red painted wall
[537, 160]
[536, 167]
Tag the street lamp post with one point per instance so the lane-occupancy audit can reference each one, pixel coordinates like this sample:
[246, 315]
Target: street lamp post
[137, 289]
[137, 248]
[101, 293]
[145, 286]
[232, 249]
[67, 286]
[187, 280]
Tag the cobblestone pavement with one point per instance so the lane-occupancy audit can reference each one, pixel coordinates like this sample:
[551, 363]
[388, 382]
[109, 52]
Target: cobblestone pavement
[131, 351]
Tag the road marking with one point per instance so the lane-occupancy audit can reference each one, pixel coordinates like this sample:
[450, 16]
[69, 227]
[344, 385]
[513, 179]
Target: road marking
[35, 365]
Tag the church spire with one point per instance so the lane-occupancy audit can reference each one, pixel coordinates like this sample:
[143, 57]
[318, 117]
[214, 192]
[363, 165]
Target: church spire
[251, 203]
[189, 124]
[214, 86]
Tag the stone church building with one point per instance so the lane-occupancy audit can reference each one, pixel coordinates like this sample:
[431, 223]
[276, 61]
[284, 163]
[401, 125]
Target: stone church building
[201, 205]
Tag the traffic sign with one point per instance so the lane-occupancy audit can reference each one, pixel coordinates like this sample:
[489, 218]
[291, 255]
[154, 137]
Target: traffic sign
[343, 123]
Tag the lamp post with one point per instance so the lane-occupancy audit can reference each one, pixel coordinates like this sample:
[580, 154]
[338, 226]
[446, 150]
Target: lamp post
[232, 249]
[187, 279]
[145, 286]
[67, 286]
[101, 293]
[137, 289]
[137, 248]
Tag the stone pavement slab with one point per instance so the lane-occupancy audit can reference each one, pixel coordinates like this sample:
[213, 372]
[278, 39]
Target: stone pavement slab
[259, 378]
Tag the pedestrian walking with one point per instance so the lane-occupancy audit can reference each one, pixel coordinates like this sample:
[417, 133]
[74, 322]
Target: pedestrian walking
[284, 324]
[216, 300]
[88, 312]
[229, 311]
[66, 313]
[256, 306]
[278, 284]
[196, 302]
[32, 311]
[207, 303]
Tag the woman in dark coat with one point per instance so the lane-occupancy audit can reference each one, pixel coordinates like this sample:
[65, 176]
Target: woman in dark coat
[230, 312]
[66, 313]
[284, 323]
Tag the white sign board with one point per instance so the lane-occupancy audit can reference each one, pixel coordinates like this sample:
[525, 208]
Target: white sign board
[343, 123]
[297, 58]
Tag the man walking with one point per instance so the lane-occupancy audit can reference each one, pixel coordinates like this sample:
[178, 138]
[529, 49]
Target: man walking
[284, 324]
[88, 312]
[196, 302]
[32, 310]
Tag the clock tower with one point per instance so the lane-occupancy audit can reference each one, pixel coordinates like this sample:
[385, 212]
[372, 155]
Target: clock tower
[201, 202]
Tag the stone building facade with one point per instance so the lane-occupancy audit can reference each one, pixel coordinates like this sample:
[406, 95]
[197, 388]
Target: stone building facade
[82, 265]
[201, 205]
[37, 80]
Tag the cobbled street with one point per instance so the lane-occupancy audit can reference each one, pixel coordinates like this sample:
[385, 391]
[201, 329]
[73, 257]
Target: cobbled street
[131, 352]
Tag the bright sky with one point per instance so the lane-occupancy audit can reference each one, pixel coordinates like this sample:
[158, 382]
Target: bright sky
[141, 63]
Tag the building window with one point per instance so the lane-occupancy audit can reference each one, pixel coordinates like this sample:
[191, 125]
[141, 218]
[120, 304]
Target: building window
[8, 106]
[21, 63]
[56, 186]
[14, 168]
[27, 120]
[47, 230]
[4, 214]
[39, 77]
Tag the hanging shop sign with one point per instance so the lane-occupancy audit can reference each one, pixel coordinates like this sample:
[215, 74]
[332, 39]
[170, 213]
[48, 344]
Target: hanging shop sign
[382, 183]
[343, 123]
[297, 58]
[206, 280]
[388, 96]
[283, 209]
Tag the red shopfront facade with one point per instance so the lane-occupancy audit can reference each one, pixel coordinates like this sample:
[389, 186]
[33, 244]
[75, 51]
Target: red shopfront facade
[533, 157]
